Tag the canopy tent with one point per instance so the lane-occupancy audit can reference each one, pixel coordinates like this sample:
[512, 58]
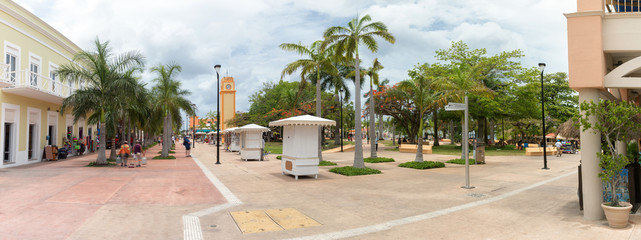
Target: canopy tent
[300, 144]
[251, 141]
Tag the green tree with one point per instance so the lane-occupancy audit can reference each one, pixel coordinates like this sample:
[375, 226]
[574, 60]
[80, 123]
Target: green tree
[372, 72]
[346, 41]
[107, 77]
[424, 98]
[170, 100]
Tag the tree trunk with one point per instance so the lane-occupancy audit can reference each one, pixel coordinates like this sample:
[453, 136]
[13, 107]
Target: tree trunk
[166, 140]
[102, 145]
[318, 114]
[451, 132]
[358, 144]
[492, 135]
[337, 137]
[435, 120]
[419, 148]
[380, 126]
[372, 121]
[393, 135]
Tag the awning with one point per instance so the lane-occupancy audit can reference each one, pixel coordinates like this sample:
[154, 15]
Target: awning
[307, 120]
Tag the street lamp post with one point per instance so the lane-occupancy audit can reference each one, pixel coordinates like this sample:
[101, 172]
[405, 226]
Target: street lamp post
[545, 155]
[193, 128]
[340, 95]
[217, 67]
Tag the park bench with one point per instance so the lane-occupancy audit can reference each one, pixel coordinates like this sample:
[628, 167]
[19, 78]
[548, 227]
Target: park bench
[538, 151]
[411, 148]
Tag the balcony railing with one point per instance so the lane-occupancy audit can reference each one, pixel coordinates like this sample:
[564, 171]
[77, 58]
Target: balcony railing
[32, 80]
[5, 75]
[622, 6]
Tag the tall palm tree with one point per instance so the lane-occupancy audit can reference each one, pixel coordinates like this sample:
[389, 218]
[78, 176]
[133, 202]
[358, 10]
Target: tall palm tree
[318, 60]
[338, 84]
[423, 98]
[346, 41]
[170, 99]
[372, 72]
[107, 77]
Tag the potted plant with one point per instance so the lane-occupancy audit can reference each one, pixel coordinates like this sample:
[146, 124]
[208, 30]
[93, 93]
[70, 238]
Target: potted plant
[616, 122]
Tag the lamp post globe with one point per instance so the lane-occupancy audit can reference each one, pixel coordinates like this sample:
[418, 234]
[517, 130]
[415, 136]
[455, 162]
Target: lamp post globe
[217, 67]
[545, 157]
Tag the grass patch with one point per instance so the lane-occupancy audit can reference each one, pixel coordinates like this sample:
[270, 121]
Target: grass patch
[274, 147]
[378, 160]
[326, 163]
[279, 157]
[422, 165]
[160, 157]
[94, 164]
[111, 160]
[160, 152]
[352, 171]
[149, 146]
[392, 149]
[461, 161]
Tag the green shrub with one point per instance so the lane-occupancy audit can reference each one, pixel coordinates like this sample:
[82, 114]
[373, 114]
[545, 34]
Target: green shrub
[509, 147]
[150, 146]
[326, 163]
[378, 160]
[279, 157]
[461, 161]
[93, 164]
[422, 165]
[352, 171]
[160, 157]
[171, 152]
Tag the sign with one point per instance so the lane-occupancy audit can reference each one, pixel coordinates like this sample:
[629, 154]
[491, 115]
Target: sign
[455, 107]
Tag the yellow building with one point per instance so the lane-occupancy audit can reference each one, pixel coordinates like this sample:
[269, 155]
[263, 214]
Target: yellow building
[30, 91]
[227, 101]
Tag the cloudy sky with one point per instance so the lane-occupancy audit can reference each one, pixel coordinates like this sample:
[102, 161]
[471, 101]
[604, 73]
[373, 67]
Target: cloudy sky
[243, 35]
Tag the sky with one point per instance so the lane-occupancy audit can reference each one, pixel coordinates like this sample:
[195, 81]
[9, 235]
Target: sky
[243, 35]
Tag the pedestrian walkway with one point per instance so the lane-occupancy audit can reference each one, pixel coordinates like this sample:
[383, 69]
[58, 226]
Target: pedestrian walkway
[512, 199]
[65, 200]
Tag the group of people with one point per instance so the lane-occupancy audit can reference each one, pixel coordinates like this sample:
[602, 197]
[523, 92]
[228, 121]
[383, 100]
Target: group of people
[125, 152]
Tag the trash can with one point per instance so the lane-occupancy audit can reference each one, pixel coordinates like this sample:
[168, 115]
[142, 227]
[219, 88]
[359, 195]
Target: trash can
[480, 153]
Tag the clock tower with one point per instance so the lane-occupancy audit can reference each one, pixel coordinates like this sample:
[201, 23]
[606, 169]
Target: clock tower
[227, 101]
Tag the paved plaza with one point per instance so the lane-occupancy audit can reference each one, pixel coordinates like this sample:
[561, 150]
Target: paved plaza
[193, 198]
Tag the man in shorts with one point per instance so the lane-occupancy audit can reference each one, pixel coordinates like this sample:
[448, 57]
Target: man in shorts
[138, 153]
[187, 144]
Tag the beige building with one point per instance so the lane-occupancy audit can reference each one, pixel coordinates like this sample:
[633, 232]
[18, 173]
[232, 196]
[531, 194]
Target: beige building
[30, 91]
[604, 51]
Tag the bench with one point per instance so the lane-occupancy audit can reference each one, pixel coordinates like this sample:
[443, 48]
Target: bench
[538, 151]
[411, 148]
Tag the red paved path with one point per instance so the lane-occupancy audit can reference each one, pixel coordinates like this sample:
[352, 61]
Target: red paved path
[52, 200]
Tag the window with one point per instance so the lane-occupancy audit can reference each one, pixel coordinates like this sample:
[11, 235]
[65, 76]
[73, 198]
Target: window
[12, 59]
[34, 70]
[53, 75]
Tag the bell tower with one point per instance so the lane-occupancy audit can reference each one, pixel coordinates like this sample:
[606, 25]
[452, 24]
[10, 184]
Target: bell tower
[228, 101]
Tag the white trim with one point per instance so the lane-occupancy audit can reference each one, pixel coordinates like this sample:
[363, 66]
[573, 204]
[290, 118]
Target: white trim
[54, 124]
[13, 49]
[15, 131]
[38, 123]
[5, 22]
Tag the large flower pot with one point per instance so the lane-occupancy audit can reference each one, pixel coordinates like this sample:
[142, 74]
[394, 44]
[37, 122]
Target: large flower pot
[617, 216]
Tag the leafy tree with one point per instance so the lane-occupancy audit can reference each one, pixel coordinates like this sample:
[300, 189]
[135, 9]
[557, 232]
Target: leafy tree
[170, 100]
[346, 41]
[107, 77]
[424, 99]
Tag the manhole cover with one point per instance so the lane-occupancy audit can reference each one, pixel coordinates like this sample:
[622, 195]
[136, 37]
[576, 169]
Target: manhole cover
[476, 195]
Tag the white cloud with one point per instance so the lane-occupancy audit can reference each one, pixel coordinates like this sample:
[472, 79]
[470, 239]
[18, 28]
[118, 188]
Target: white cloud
[243, 36]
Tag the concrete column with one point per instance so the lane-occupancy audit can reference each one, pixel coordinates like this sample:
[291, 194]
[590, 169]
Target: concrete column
[590, 145]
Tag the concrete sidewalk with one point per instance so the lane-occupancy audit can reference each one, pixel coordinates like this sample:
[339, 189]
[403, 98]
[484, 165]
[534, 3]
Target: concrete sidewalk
[513, 199]
[66, 200]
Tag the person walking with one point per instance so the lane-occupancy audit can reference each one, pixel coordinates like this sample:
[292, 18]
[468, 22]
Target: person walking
[558, 145]
[124, 153]
[138, 153]
[187, 144]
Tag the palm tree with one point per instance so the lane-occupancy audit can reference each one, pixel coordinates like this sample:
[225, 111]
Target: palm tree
[170, 99]
[318, 60]
[372, 72]
[107, 77]
[337, 83]
[420, 92]
[346, 41]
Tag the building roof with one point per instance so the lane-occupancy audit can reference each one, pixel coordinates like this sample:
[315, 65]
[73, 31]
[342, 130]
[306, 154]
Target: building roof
[304, 120]
[230, 129]
[252, 128]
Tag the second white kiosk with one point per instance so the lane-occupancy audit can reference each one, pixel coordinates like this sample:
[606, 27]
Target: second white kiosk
[251, 141]
[300, 144]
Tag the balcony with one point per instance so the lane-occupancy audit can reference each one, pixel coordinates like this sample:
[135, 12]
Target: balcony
[622, 6]
[33, 85]
[6, 78]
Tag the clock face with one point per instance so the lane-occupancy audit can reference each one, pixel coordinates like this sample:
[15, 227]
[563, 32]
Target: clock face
[228, 86]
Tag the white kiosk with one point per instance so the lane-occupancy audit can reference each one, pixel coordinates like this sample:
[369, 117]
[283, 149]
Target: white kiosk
[300, 144]
[232, 140]
[251, 141]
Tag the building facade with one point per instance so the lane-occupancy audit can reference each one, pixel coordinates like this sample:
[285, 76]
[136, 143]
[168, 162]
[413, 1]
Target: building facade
[31, 92]
[604, 51]
[227, 101]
